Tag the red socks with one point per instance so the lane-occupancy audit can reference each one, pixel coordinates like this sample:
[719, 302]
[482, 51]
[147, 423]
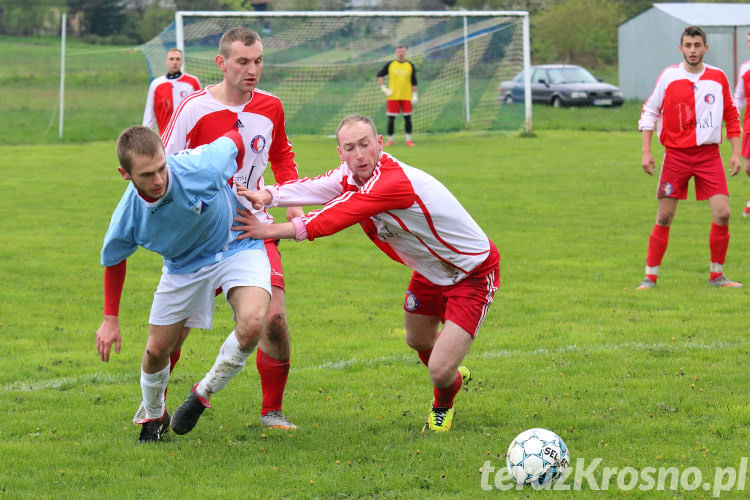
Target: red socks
[273, 375]
[657, 246]
[425, 356]
[718, 241]
[442, 397]
[173, 359]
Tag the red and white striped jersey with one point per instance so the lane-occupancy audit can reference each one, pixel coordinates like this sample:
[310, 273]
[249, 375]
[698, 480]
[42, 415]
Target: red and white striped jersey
[406, 212]
[164, 95]
[201, 119]
[689, 108]
[742, 93]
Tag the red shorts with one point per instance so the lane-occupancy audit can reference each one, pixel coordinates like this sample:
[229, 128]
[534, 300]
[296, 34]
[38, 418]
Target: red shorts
[746, 144]
[702, 162]
[274, 257]
[395, 108]
[465, 303]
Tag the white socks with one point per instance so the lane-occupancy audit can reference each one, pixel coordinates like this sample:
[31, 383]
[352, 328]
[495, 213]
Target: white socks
[229, 362]
[153, 386]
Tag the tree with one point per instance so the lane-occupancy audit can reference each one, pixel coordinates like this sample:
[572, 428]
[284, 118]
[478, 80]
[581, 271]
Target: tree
[100, 17]
[577, 31]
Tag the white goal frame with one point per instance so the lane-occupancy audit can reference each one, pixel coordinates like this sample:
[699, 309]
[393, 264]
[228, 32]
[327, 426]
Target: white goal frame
[524, 15]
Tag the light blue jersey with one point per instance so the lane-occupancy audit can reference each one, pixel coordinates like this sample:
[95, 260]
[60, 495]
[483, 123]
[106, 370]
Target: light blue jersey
[190, 226]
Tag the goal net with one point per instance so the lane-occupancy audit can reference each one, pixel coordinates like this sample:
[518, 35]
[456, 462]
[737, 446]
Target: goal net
[323, 65]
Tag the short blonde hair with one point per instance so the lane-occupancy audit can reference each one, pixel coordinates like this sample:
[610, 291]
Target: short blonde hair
[245, 35]
[357, 118]
[137, 140]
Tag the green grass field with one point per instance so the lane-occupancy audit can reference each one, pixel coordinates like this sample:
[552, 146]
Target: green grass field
[636, 379]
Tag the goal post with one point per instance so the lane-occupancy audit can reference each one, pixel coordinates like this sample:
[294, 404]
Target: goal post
[323, 64]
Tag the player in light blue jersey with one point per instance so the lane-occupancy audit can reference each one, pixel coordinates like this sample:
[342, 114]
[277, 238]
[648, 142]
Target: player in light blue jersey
[182, 208]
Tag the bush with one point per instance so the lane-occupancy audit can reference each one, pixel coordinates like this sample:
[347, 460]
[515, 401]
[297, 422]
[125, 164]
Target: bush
[589, 37]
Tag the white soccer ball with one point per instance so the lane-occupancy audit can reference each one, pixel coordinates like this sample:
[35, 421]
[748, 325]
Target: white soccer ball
[537, 457]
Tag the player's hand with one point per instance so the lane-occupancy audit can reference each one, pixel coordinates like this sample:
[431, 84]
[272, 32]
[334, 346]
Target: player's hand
[735, 163]
[293, 212]
[259, 199]
[414, 98]
[249, 224]
[648, 164]
[108, 334]
[388, 92]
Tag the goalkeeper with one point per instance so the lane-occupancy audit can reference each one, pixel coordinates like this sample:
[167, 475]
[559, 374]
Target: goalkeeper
[401, 92]
[416, 221]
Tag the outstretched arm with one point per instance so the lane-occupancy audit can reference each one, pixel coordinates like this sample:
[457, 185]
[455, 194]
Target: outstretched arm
[259, 198]
[253, 228]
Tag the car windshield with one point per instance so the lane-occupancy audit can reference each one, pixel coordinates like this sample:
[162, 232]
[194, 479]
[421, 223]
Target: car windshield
[570, 75]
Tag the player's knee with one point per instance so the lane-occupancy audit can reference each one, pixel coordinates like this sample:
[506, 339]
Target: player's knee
[157, 353]
[442, 375]
[664, 218]
[722, 217]
[277, 328]
[417, 344]
[248, 330]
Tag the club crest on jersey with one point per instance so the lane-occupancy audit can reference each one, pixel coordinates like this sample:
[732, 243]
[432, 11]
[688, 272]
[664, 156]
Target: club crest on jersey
[665, 190]
[258, 143]
[199, 207]
[709, 98]
[410, 301]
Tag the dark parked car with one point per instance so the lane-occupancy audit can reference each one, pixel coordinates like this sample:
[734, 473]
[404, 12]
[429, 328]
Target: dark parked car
[562, 85]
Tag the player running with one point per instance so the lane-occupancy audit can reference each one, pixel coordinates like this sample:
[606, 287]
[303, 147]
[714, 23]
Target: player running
[416, 221]
[258, 116]
[182, 208]
[689, 102]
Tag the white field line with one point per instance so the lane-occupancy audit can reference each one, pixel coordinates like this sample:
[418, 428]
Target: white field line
[343, 364]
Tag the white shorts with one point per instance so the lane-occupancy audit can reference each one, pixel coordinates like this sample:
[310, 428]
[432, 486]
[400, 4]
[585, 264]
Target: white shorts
[192, 295]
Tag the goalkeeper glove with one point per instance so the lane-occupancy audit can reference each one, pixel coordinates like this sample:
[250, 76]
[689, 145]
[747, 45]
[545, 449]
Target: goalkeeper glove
[388, 92]
[414, 98]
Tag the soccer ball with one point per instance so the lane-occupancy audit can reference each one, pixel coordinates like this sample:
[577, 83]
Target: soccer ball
[537, 457]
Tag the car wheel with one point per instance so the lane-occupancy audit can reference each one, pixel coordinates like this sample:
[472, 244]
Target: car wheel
[556, 102]
[508, 99]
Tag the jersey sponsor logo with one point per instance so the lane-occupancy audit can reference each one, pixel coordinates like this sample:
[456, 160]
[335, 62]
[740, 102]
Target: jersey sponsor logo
[258, 143]
[238, 124]
[688, 120]
[410, 301]
[706, 122]
[709, 98]
[162, 204]
[665, 190]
